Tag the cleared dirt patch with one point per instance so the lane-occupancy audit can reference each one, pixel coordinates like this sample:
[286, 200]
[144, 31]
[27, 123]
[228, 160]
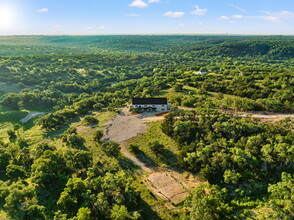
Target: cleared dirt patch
[124, 126]
[168, 186]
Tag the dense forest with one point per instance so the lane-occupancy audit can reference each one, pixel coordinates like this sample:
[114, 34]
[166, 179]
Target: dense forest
[49, 169]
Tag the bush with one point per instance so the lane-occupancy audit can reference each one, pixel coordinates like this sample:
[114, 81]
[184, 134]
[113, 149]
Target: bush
[98, 136]
[135, 110]
[91, 120]
[111, 148]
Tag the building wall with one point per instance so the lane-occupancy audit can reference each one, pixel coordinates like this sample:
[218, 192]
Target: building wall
[159, 108]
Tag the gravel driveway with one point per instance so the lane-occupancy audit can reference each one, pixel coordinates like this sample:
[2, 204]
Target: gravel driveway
[124, 126]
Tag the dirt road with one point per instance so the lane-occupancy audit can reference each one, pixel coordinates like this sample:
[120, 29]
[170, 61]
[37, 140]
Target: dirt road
[263, 116]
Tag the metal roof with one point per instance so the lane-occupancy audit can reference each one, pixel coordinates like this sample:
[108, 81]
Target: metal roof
[149, 101]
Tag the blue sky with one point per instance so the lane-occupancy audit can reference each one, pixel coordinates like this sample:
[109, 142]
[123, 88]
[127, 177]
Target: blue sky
[146, 17]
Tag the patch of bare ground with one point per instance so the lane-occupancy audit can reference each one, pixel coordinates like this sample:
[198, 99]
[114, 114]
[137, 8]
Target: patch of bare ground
[167, 184]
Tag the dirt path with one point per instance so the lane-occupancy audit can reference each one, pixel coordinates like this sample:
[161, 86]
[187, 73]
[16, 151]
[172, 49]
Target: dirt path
[166, 184]
[30, 116]
[263, 116]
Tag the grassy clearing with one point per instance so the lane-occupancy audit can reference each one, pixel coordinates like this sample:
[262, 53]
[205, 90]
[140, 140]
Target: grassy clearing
[9, 88]
[154, 133]
[13, 116]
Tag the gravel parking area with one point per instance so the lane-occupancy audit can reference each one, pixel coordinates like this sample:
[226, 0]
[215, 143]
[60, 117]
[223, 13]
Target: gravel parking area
[124, 126]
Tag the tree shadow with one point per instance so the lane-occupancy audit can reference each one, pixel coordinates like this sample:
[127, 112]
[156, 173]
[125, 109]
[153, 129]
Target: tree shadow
[147, 212]
[126, 163]
[143, 157]
[168, 157]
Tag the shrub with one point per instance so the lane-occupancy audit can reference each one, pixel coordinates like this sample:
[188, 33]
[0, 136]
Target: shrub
[90, 120]
[111, 148]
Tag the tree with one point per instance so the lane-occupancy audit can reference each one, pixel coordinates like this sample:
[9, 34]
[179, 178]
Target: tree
[230, 176]
[73, 140]
[49, 169]
[73, 196]
[14, 171]
[35, 212]
[208, 203]
[4, 159]
[11, 134]
[91, 120]
[120, 212]
[41, 148]
[19, 198]
[84, 213]
[111, 148]
[98, 136]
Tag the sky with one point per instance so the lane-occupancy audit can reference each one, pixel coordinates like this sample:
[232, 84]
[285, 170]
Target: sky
[56, 17]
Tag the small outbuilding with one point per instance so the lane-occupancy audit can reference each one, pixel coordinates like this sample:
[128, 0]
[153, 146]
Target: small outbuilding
[151, 104]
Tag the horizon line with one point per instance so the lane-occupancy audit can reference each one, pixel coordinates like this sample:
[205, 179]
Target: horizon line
[142, 34]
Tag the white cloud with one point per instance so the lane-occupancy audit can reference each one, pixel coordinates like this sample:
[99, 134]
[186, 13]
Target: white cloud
[139, 4]
[153, 1]
[271, 18]
[285, 13]
[277, 16]
[237, 16]
[174, 14]
[182, 25]
[102, 28]
[199, 11]
[42, 10]
[224, 17]
[132, 15]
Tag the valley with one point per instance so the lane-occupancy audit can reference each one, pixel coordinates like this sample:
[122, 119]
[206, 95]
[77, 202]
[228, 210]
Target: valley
[71, 147]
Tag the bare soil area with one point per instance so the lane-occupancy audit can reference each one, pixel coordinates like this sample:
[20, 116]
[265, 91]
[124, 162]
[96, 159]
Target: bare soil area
[168, 186]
